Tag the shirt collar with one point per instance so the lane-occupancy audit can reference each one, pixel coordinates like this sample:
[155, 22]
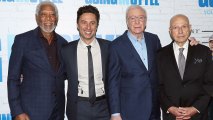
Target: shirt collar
[84, 45]
[133, 38]
[185, 46]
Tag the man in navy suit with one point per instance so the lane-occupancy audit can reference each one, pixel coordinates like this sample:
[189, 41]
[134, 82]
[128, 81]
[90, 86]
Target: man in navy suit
[35, 77]
[185, 74]
[85, 62]
[133, 81]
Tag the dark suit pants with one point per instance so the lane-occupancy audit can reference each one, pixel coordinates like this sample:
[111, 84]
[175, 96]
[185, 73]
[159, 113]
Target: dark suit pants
[96, 111]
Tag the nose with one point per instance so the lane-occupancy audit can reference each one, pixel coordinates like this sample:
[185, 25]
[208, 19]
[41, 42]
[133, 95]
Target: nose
[137, 20]
[180, 30]
[88, 26]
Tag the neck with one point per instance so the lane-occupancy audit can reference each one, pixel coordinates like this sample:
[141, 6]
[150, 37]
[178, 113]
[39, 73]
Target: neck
[180, 44]
[48, 36]
[87, 41]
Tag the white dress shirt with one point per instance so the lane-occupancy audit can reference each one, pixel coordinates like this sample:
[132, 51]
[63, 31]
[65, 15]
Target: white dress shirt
[176, 50]
[82, 62]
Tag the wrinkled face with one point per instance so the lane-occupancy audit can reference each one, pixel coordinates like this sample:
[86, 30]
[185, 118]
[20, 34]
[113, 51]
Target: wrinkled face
[87, 26]
[136, 21]
[180, 29]
[211, 45]
[46, 18]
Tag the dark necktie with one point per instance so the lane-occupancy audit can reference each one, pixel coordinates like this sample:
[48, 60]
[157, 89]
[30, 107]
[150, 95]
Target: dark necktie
[92, 95]
[181, 62]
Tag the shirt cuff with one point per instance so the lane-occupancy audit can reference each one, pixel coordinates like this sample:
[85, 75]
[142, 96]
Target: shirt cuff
[115, 114]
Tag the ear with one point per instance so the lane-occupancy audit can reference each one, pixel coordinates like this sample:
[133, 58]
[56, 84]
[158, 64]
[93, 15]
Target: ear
[77, 26]
[37, 20]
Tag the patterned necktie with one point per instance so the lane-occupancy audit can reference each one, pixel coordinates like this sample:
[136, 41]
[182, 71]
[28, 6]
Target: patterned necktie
[181, 62]
[92, 95]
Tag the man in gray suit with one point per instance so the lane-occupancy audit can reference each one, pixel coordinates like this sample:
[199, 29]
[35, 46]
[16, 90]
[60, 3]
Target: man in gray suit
[36, 77]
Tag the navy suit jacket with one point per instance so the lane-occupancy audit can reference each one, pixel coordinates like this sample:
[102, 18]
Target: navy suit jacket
[69, 55]
[132, 89]
[40, 88]
[189, 91]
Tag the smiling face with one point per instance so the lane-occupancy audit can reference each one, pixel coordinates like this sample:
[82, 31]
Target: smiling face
[180, 29]
[87, 27]
[136, 21]
[46, 18]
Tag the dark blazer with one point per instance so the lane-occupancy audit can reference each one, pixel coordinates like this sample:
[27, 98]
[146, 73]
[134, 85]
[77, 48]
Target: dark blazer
[69, 55]
[40, 88]
[133, 90]
[187, 92]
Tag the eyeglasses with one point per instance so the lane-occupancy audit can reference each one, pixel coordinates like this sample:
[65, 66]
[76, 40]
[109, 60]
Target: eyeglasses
[138, 18]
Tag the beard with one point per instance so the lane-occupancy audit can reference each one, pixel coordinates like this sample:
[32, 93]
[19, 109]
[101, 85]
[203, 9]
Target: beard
[47, 29]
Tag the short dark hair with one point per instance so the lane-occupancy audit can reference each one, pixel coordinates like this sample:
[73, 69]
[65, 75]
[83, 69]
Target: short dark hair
[88, 9]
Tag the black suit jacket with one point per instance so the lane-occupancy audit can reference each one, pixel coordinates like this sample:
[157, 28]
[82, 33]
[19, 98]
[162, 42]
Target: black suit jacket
[187, 92]
[69, 56]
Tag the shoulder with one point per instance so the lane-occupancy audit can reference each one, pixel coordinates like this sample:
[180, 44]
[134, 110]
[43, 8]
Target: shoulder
[61, 39]
[27, 34]
[165, 49]
[200, 46]
[103, 42]
[151, 36]
[23, 38]
[70, 45]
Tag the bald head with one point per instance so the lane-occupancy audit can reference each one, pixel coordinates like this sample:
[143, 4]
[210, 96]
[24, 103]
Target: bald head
[177, 17]
[180, 29]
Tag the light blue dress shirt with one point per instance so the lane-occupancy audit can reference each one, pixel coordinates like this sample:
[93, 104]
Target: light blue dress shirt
[140, 47]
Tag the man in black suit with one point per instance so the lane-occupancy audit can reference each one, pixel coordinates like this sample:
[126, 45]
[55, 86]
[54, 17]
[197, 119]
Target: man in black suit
[184, 71]
[85, 62]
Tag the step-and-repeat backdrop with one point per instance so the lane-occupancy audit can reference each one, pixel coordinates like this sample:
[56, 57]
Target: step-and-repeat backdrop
[18, 16]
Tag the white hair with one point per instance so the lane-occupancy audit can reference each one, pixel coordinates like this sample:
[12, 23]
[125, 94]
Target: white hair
[46, 2]
[134, 6]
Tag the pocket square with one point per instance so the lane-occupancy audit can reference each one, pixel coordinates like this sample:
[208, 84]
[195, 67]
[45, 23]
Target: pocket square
[198, 60]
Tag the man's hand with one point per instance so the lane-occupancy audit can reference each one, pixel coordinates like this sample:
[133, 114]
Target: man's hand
[117, 117]
[188, 112]
[193, 41]
[22, 116]
[176, 112]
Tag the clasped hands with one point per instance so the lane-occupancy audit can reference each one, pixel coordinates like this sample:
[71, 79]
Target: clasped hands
[183, 113]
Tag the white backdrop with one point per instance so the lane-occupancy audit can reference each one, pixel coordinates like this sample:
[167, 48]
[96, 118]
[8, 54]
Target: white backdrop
[18, 16]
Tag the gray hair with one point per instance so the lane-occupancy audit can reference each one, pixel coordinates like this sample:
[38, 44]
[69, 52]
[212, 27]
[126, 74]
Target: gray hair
[134, 6]
[47, 2]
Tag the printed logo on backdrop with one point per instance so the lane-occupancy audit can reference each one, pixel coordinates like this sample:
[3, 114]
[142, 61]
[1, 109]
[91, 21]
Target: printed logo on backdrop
[124, 2]
[5, 117]
[0, 63]
[30, 1]
[206, 4]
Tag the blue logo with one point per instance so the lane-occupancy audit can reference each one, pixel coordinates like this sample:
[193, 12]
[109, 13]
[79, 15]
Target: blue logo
[109, 37]
[30, 1]
[0, 65]
[206, 3]
[124, 2]
[5, 117]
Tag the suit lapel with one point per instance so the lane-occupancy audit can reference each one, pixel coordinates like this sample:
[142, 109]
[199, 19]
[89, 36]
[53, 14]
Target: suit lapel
[149, 51]
[103, 56]
[133, 51]
[171, 58]
[189, 59]
[44, 64]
